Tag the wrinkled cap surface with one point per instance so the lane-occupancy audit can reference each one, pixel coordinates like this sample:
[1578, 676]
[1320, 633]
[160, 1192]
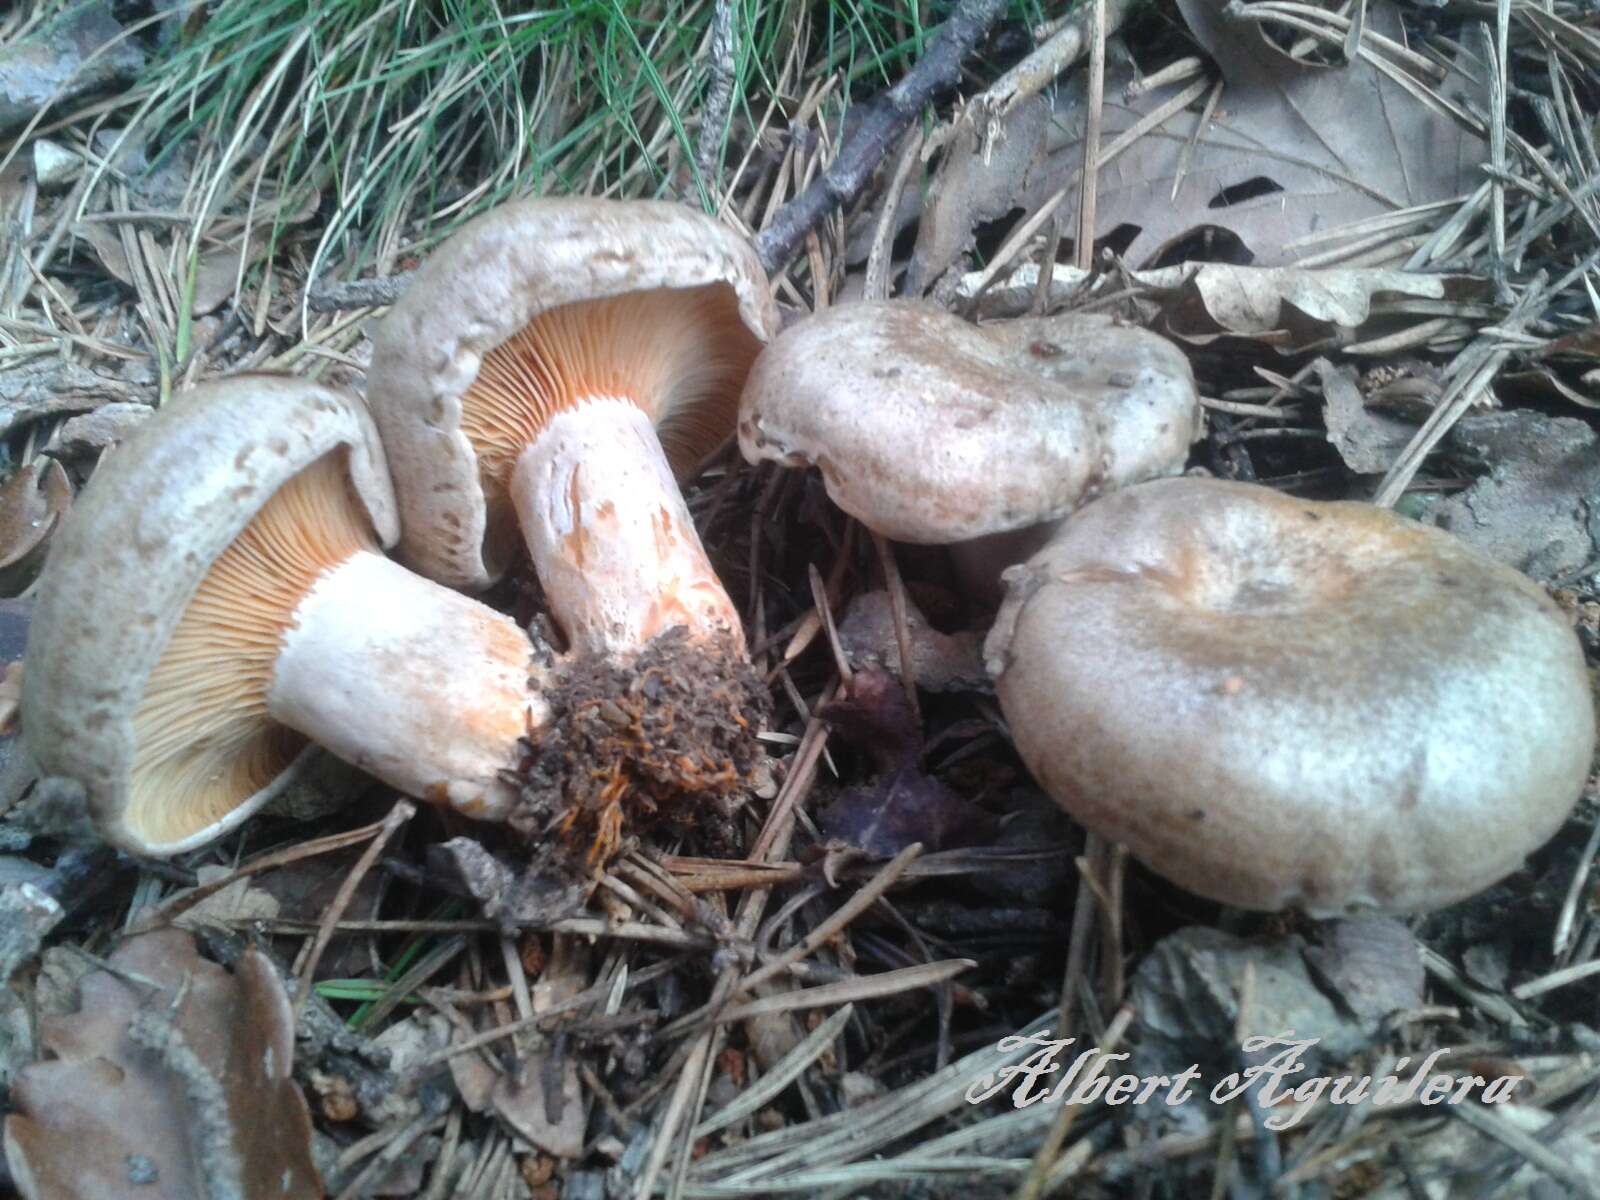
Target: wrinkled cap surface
[484, 286]
[1277, 702]
[929, 429]
[136, 547]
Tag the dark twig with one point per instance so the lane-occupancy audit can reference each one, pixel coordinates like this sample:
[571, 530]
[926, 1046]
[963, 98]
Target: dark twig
[360, 293]
[210, 1131]
[29, 911]
[884, 119]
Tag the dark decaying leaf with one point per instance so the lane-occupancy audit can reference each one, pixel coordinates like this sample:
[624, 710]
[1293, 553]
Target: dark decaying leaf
[1371, 964]
[872, 714]
[170, 1082]
[902, 805]
[1540, 383]
[940, 661]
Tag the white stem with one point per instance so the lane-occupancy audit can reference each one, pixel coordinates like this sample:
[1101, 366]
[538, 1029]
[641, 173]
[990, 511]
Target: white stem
[419, 685]
[610, 535]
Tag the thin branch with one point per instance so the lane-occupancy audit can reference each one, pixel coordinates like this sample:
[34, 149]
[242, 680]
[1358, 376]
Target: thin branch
[360, 293]
[1089, 180]
[720, 70]
[884, 119]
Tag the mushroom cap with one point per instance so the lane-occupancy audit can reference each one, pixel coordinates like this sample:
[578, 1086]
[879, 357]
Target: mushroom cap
[929, 429]
[484, 285]
[135, 548]
[1278, 702]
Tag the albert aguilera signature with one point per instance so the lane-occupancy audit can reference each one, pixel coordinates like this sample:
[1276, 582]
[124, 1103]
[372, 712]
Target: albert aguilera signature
[1085, 1080]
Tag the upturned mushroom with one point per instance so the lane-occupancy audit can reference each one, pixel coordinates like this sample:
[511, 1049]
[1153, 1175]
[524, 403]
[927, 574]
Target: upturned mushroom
[931, 430]
[219, 595]
[551, 369]
[552, 366]
[1277, 702]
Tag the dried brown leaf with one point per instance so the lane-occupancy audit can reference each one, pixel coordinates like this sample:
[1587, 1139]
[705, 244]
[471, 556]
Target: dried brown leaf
[1291, 150]
[32, 503]
[107, 246]
[1252, 300]
[171, 1082]
[473, 1076]
[1583, 345]
[240, 900]
[543, 1101]
[218, 271]
[978, 180]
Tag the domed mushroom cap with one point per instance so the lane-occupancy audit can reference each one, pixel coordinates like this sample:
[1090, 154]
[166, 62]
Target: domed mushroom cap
[929, 429]
[121, 574]
[683, 306]
[1277, 702]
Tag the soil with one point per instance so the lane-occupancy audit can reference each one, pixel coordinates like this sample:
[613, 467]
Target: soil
[667, 736]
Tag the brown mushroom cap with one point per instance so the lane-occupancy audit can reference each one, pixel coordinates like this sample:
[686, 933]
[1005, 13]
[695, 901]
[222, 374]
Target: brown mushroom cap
[531, 308]
[929, 429]
[177, 558]
[1278, 702]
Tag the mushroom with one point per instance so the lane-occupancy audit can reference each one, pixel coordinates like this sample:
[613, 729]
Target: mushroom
[931, 430]
[553, 365]
[218, 595]
[1277, 702]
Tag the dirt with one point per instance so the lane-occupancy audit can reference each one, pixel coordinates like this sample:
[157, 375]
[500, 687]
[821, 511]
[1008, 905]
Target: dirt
[667, 736]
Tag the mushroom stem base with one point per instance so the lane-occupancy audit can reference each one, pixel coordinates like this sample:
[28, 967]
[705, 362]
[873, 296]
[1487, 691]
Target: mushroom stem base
[419, 685]
[667, 735]
[610, 535]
